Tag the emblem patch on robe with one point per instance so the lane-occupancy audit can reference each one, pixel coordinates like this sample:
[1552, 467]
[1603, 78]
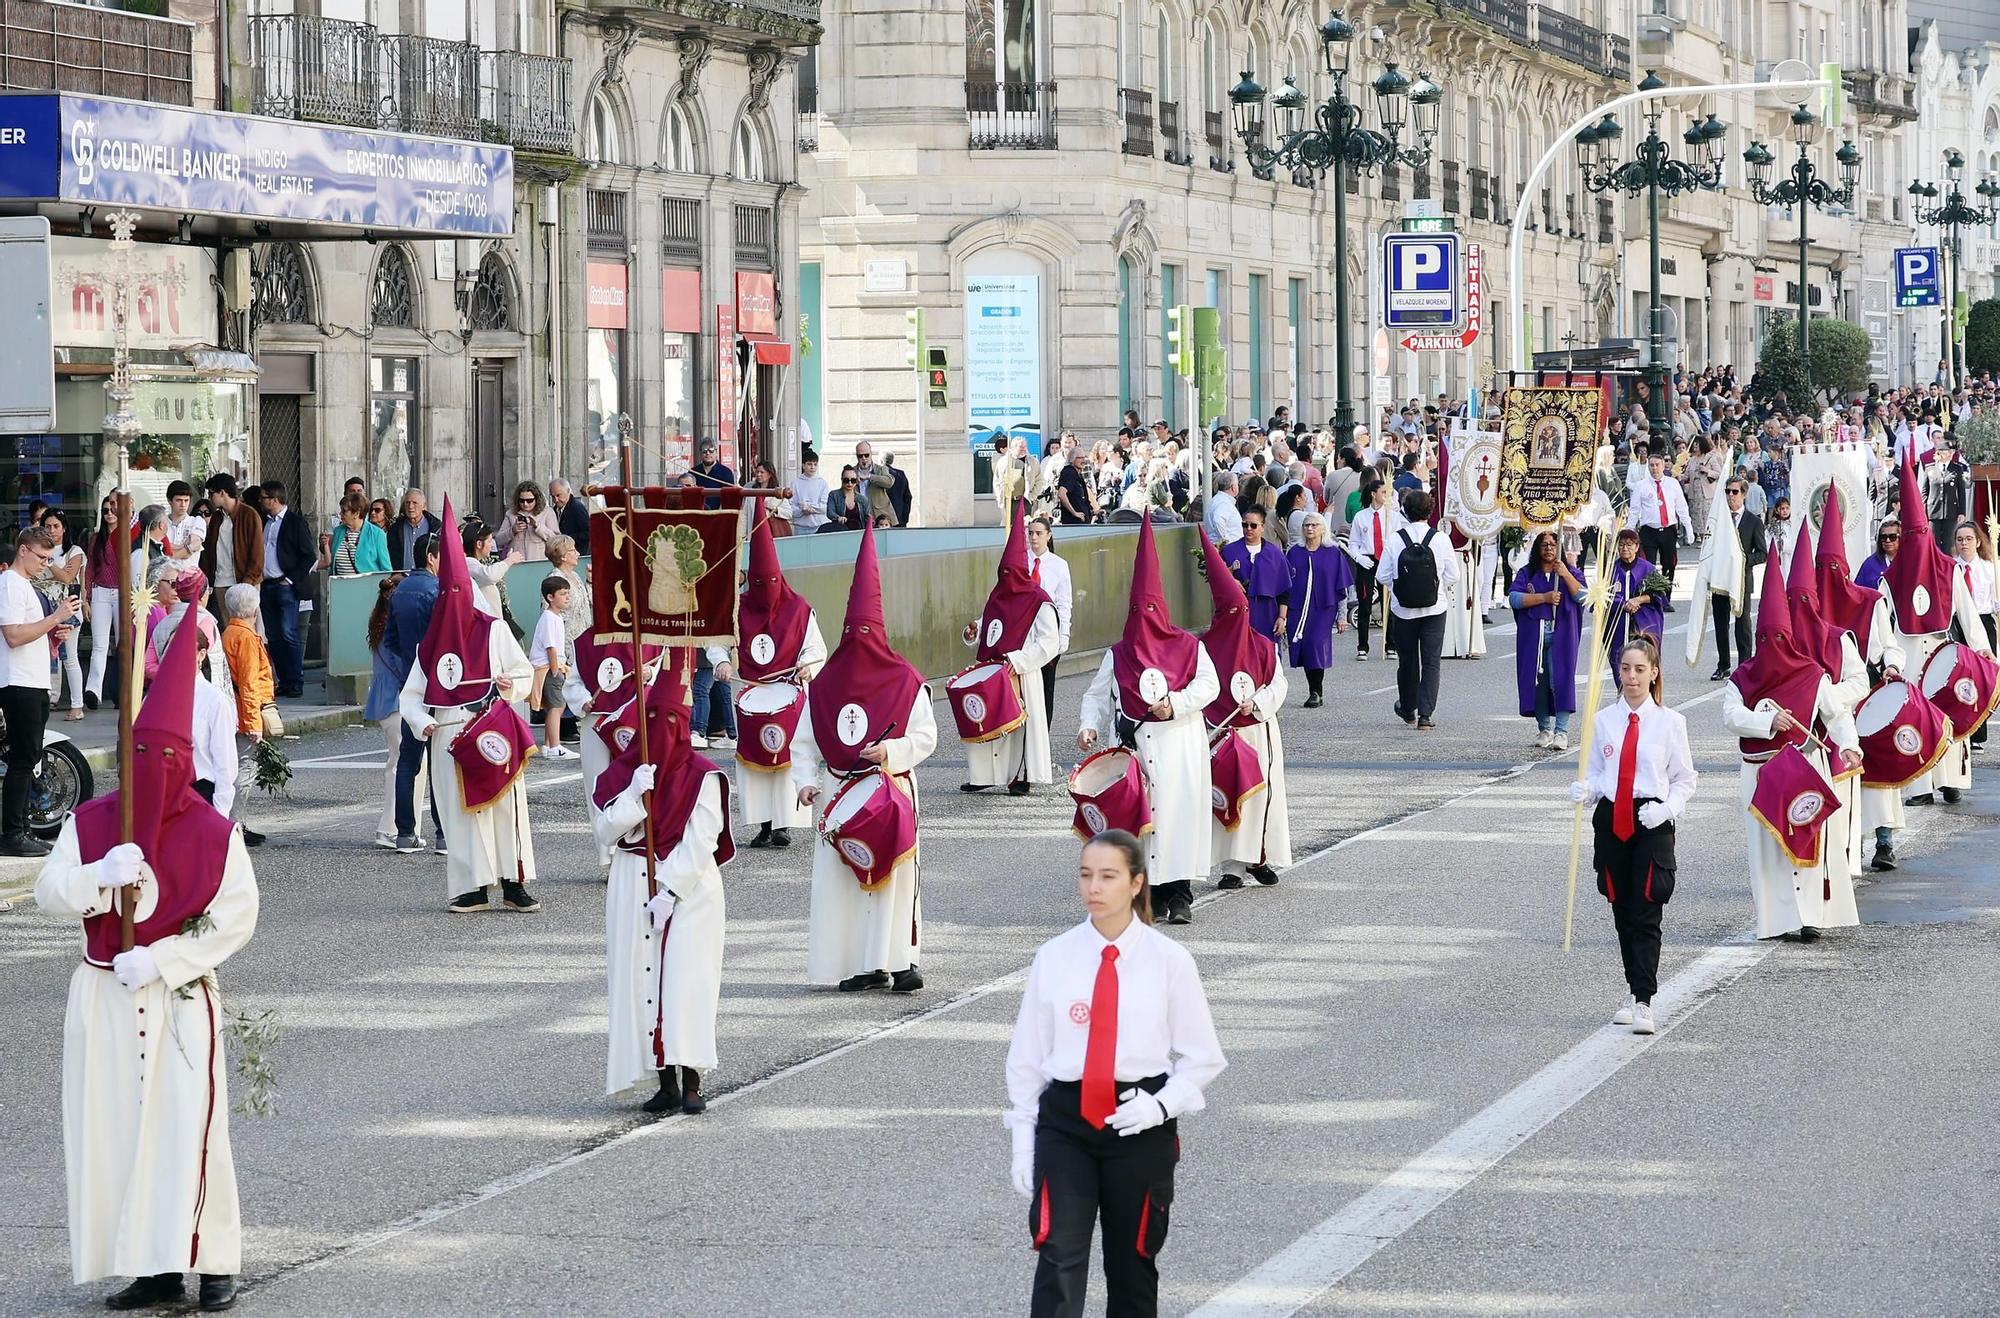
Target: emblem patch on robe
[609, 674]
[762, 648]
[494, 748]
[1242, 686]
[994, 627]
[450, 669]
[975, 706]
[852, 725]
[1921, 598]
[1153, 685]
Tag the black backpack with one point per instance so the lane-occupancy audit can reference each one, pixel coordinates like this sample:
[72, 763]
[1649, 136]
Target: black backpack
[1416, 582]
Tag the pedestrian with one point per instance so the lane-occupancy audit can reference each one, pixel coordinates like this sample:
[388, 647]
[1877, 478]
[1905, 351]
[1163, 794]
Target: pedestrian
[103, 549]
[1019, 629]
[1050, 571]
[358, 545]
[1321, 576]
[410, 606]
[873, 482]
[1076, 504]
[1634, 604]
[663, 909]
[710, 472]
[1251, 833]
[846, 509]
[151, 1177]
[185, 532]
[30, 628]
[867, 712]
[1660, 514]
[810, 494]
[410, 528]
[778, 641]
[1733, 609]
[1223, 523]
[548, 651]
[572, 514]
[1641, 777]
[385, 682]
[232, 553]
[382, 513]
[528, 526]
[1114, 1043]
[484, 569]
[1148, 696]
[64, 578]
[1367, 539]
[1261, 570]
[1547, 599]
[713, 721]
[287, 587]
[1419, 570]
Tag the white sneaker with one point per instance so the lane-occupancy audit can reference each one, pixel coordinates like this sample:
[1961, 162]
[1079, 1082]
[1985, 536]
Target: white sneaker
[1559, 741]
[1642, 1018]
[699, 742]
[386, 841]
[1623, 1016]
[722, 743]
[560, 753]
[1542, 738]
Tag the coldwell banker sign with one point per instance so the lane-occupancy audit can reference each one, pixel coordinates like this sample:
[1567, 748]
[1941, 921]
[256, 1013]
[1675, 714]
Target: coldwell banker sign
[124, 153]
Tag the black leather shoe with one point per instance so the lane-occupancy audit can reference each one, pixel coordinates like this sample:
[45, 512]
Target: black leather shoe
[22, 844]
[1312, 702]
[781, 837]
[1884, 858]
[516, 897]
[669, 1097]
[1229, 882]
[89, 700]
[1179, 912]
[145, 1292]
[692, 1102]
[252, 838]
[1719, 675]
[1951, 795]
[763, 838]
[217, 1293]
[907, 981]
[1019, 787]
[973, 787]
[1928, 798]
[1264, 874]
[872, 979]
[1808, 935]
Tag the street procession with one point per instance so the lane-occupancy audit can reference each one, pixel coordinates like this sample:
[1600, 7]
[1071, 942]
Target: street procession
[701, 684]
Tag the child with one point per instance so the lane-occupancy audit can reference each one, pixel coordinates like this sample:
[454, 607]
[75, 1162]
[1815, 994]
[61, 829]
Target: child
[549, 653]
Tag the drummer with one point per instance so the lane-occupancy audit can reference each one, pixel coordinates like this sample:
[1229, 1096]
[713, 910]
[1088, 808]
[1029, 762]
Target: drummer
[597, 686]
[1019, 628]
[1833, 648]
[867, 711]
[1863, 613]
[779, 649]
[1783, 696]
[1252, 694]
[1148, 696]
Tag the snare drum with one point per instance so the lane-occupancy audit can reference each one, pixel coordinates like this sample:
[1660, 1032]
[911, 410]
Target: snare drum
[986, 701]
[1235, 774]
[1960, 681]
[1903, 735]
[872, 824]
[767, 714]
[1109, 789]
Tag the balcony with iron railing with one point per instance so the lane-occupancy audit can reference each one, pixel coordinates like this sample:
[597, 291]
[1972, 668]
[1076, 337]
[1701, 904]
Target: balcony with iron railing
[57, 47]
[1011, 116]
[1174, 146]
[1881, 93]
[1136, 109]
[808, 116]
[1215, 127]
[1618, 57]
[1569, 38]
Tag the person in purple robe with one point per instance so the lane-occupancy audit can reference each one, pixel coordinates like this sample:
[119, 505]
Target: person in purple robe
[1547, 598]
[1634, 612]
[1321, 576]
[1265, 576]
[1888, 539]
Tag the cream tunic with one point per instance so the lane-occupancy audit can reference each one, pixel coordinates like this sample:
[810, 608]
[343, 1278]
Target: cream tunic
[1465, 613]
[1264, 834]
[998, 762]
[1882, 807]
[1174, 755]
[1788, 898]
[767, 795]
[578, 695]
[137, 1109]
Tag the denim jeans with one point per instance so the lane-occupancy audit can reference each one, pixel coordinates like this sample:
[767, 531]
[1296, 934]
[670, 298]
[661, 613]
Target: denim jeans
[1547, 716]
[412, 758]
[713, 705]
[281, 633]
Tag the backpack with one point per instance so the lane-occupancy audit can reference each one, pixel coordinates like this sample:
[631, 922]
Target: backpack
[1416, 583]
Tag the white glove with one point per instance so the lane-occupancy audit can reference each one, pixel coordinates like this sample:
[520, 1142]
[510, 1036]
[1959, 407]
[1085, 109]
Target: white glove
[643, 778]
[1023, 1173]
[1579, 793]
[1652, 814]
[120, 866]
[661, 909]
[135, 969]
[1137, 1111]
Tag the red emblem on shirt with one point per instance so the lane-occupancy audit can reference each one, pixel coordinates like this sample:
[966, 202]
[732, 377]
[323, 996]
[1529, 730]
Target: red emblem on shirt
[1607, 750]
[1079, 1013]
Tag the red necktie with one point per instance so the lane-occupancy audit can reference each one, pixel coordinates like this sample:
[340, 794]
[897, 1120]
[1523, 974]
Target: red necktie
[1660, 493]
[1035, 572]
[1100, 1054]
[1624, 817]
[1378, 535]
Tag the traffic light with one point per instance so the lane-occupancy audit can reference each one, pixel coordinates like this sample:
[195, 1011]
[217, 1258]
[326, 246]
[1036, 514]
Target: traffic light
[1211, 367]
[913, 339]
[1180, 348]
[936, 381]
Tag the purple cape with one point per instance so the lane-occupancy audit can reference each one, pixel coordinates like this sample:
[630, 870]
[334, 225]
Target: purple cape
[1872, 569]
[1560, 654]
[1320, 578]
[1648, 621]
[1267, 581]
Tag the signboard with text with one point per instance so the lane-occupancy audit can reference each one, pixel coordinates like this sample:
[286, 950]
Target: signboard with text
[1420, 280]
[1003, 358]
[1916, 276]
[725, 383]
[1465, 338]
[756, 304]
[604, 295]
[173, 299]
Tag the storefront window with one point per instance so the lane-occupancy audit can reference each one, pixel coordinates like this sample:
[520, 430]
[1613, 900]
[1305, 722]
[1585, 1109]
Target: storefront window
[393, 420]
[188, 430]
[679, 390]
[605, 390]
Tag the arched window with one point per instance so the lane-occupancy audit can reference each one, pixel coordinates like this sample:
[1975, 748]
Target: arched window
[749, 163]
[1167, 51]
[677, 143]
[493, 296]
[601, 138]
[1002, 40]
[1215, 77]
[284, 286]
[392, 304]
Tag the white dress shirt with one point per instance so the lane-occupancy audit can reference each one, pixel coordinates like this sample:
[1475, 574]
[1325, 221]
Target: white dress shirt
[1164, 1025]
[272, 572]
[1441, 551]
[1647, 497]
[1224, 523]
[215, 741]
[1980, 575]
[1361, 536]
[1665, 765]
[1055, 581]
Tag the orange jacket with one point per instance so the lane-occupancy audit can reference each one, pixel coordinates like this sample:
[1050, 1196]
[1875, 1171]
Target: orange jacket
[250, 669]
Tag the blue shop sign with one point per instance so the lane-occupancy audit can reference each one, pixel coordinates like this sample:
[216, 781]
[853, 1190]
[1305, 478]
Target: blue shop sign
[98, 151]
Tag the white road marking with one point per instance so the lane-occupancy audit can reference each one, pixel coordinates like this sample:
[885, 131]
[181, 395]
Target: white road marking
[1313, 1264]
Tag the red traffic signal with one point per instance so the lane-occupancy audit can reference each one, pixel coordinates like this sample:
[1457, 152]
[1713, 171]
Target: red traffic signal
[937, 379]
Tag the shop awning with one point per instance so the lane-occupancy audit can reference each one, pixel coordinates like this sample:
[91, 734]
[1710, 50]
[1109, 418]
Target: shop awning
[770, 352]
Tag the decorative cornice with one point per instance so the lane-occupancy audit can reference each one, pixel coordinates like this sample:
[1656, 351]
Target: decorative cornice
[619, 38]
[788, 22]
[695, 52]
[766, 63]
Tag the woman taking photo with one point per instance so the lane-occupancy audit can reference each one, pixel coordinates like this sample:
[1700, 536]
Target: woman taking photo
[62, 575]
[1114, 1043]
[107, 542]
[528, 527]
[1641, 778]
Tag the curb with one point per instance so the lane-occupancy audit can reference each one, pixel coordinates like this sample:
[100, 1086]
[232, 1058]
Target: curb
[103, 759]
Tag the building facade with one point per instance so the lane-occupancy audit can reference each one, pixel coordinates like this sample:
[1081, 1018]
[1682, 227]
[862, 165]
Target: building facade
[1959, 110]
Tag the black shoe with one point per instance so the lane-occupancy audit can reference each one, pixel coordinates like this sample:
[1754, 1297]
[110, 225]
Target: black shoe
[669, 1097]
[871, 979]
[1019, 787]
[1884, 858]
[144, 1292]
[1361, 654]
[22, 844]
[973, 787]
[1719, 675]
[1180, 912]
[1952, 795]
[781, 837]
[1666, 606]
[515, 897]
[692, 1102]
[1264, 874]
[1426, 724]
[470, 902]
[763, 838]
[89, 700]
[1928, 798]
[1229, 882]
[1808, 935]
[217, 1293]
[1312, 702]
[906, 981]
[252, 838]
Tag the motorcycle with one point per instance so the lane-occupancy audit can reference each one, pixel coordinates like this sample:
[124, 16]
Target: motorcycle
[62, 782]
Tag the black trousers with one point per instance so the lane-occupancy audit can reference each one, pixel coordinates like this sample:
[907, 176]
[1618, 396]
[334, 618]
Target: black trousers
[1719, 609]
[27, 712]
[1419, 646]
[1049, 694]
[1364, 604]
[1637, 878]
[1662, 547]
[1315, 681]
[1082, 1175]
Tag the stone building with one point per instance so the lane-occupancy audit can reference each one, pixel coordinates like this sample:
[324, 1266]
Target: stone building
[1959, 110]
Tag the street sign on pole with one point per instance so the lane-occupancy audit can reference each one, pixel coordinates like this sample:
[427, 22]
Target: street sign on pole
[1916, 276]
[1474, 318]
[1420, 280]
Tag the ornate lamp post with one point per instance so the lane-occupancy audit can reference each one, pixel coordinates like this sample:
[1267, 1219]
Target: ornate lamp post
[1952, 216]
[1654, 171]
[1335, 141]
[1803, 190]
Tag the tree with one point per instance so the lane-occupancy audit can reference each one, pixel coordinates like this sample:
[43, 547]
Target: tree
[1840, 352]
[1778, 367]
[1982, 336]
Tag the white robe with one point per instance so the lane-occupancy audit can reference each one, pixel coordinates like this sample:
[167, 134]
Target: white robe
[1464, 615]
[681, 996]
[851, 931]
[497, 843]
[998, 762]
[135, 1108]
[1264, 834]
[589, 745]
[767, 795]
[1882, 807]
[1841, 845]
[1174, 755]
[1787, 898]
[1955, 769]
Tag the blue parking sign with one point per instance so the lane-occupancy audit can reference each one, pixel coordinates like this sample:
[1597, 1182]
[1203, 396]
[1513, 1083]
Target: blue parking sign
[1420, 280]
[1916, 276]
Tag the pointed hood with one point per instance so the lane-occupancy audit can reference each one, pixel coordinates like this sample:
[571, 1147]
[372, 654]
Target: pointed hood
[1153, 657]
[866, 690]
[1015, 599]
[1244, 661]
[1918, 581]
[457, 667]
[1847, 606]
[679, 770]
[771, 620]
[1816, 634]
[1782, 671]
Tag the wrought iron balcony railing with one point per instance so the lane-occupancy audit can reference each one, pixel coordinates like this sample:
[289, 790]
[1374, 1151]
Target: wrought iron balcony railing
[1011, 116]
[1137, 111]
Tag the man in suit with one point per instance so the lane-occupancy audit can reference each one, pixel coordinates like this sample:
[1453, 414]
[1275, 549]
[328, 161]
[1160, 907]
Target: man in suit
[232, 552]
[290, 556]
[411, 527]
[1750, 535]
[572, 514]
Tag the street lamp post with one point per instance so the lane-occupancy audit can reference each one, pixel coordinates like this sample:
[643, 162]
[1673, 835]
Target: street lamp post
[1954, 215]
[1654, 171]
[1335, 141]
[1804, 190]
